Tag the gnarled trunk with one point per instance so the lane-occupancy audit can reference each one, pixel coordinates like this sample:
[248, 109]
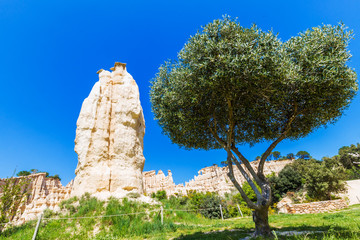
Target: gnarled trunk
[261, 220]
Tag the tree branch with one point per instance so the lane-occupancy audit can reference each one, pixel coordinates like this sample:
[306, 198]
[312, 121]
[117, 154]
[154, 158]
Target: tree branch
[220, 141]
[267, 153]
[286, 129]
[246, 163]
[231, 125]
[247, 178]
[236, 184]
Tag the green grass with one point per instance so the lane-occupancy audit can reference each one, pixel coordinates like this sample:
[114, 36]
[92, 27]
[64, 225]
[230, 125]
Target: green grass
[343, 224]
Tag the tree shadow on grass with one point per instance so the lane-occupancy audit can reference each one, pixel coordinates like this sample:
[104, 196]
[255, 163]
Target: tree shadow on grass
[301, 232]
[214, 235]
[318, 232]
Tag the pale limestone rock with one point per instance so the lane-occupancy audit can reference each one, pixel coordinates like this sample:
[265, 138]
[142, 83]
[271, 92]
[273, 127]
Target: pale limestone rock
[109, 138]
[154, 182]
[209, 179]
[42, 193]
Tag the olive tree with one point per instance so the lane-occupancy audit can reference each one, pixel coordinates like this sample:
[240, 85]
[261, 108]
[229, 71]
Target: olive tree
[232, 85]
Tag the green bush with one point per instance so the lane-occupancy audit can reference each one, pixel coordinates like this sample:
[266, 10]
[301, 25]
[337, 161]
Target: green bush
[288, 180]
[325, 179]
[133, 224]
[88, 205]
[210, 206]
[248, 191]
[133, 195]
[23, 173]
[159, 195]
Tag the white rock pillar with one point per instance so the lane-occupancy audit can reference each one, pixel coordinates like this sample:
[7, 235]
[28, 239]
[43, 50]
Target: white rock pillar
[109, 137]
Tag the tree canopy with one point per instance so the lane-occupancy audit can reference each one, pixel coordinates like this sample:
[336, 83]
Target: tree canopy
[229, 74]
[349, 156]
[276, 155]
[232, 85]
[303, 155]
[23, 173]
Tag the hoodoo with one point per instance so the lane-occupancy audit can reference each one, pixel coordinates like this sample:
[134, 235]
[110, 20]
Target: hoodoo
[109, 137]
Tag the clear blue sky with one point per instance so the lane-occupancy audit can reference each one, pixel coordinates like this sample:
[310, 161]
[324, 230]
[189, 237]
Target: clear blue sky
[50, 52]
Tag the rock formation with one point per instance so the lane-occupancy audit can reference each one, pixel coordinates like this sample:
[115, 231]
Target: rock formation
[209, 179]
[154, 182]
[42, 193]
[109, 137]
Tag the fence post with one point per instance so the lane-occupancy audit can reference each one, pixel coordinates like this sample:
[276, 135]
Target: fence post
[162, 215]
[37, 226]
[222, 217]
[240, 210]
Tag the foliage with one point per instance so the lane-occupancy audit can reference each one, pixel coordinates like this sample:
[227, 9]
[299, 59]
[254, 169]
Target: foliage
[210, 206]
[325, 178]
[349, 156]
[290, 156]
[342, 224]
[13, 194]
[303, 155]
[233, 211]
[34, 171]
[195, 199]
[288, 180]
[23, 173]
[320, 179]
[56, 176]
[133, 195]
[159, 195]
[276, 155]
[233, 85]
[226, 60]
[68, 205]
[248, 191]
[88, 205]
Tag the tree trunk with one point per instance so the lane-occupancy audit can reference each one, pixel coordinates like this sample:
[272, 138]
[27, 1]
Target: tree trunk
[261, 220]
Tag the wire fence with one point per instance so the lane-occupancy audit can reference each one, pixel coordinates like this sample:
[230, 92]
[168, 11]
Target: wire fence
[161, 212]
[123, 214]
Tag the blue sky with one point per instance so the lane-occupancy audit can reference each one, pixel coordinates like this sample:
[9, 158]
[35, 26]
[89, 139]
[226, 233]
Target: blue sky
[50, 52]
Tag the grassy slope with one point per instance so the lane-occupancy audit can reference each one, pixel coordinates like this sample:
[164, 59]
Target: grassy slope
[343, 224]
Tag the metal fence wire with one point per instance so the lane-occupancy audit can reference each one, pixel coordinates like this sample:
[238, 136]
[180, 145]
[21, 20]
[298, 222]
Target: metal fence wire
[161, 212]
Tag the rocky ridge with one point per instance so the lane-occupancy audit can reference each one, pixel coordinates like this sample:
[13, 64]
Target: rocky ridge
[209, 179]
[42, 193]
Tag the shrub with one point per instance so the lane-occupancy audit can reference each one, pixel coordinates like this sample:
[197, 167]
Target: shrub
[210, 206]
[289, 179]
[13, 195]
[159, 195]
[325, 178]
[23, 173]
[133, 195]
